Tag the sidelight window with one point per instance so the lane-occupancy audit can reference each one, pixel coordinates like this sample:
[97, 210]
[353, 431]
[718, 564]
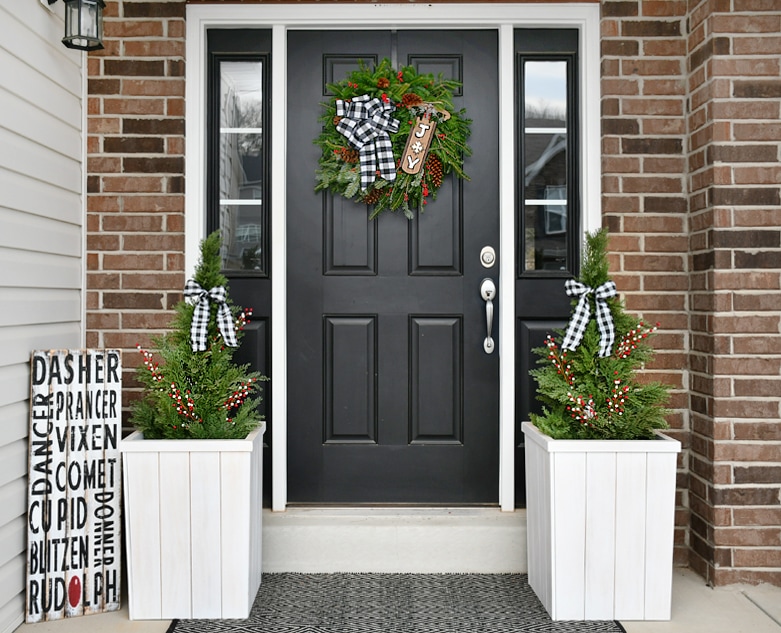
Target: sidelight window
[238, 151]
[547, 177]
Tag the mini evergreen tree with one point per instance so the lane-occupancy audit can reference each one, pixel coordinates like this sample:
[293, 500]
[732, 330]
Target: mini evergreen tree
[199, 394]
[588, 396]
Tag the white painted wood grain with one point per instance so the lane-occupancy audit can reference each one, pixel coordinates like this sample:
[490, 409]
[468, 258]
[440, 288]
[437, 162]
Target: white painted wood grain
[660, 535]
[174, 531]
[205, 528]
[256, 517]
[235, 532]
[600, 535]
[568, 534]
[630, 535]
[141, 474]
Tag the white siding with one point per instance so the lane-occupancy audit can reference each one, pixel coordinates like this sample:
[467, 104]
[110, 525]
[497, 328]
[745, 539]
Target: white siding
[41, 235]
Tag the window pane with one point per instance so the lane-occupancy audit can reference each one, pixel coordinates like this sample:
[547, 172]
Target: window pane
[545, 165]
[241, 94]
[545, 93]
[242, 230]
[241, 164]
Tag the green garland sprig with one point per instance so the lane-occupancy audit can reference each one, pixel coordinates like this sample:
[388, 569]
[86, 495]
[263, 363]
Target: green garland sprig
[339, 169]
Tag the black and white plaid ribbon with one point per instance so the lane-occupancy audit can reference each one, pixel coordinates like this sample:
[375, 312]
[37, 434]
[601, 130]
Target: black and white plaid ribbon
[579, 320]
[367, 124]
[200, 323]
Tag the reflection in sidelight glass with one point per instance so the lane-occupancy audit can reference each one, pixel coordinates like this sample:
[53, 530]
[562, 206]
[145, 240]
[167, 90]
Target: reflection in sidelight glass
[545, 165]
[241, 164]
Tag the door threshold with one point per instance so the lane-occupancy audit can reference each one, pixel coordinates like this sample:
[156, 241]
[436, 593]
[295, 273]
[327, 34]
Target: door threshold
[398, 539]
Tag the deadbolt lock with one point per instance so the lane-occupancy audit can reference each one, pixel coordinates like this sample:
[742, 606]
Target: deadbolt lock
[488, 257]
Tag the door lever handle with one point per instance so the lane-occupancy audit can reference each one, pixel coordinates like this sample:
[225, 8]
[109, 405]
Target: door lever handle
[488, 293]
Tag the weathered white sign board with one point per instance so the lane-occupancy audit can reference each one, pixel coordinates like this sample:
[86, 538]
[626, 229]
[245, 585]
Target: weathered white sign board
[74, 489]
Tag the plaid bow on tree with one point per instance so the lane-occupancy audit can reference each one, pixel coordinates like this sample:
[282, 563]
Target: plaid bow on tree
[200, 323]
[579, 320]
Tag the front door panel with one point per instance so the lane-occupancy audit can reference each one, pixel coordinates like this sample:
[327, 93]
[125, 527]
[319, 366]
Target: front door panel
[392, 398]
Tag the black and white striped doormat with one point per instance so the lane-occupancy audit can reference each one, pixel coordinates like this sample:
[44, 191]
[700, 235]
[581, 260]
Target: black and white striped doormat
[395, 603]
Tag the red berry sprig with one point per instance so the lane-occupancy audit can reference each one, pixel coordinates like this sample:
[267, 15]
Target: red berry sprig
[582, 409]
[559, 360]
[632, 338]
[615, 402]
[238, 397]
[154, 368]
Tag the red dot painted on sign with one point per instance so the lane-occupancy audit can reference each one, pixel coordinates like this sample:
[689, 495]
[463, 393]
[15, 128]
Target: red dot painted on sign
[74, 591]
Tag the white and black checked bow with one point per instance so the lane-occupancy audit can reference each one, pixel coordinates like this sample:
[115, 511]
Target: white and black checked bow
[199, 326]
[367, 124]
[579, 320]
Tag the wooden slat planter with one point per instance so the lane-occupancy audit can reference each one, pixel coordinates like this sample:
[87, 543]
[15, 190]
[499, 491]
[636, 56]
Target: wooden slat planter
[600, 520]
[193, 526]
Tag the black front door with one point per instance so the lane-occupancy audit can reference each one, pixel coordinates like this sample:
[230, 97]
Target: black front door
[391, 395]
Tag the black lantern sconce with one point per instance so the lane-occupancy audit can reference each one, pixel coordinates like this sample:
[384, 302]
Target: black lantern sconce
[83, 24]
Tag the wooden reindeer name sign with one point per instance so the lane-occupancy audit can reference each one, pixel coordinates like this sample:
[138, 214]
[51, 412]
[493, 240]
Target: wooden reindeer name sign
[74, 486]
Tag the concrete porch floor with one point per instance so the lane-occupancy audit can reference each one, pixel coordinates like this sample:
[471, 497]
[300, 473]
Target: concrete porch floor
[696, 609]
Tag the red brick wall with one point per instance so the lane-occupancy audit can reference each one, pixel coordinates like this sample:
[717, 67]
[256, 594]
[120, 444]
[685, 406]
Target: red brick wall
[645, 191]
[135, 205]
[691, 164]
[735, 261]
[691, 130]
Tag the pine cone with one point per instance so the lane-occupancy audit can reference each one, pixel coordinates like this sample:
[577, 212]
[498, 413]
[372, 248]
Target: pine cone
[383, 83]
[347, 155]
[435, 172]
[372, 197]
[337, 119]
[411, 99]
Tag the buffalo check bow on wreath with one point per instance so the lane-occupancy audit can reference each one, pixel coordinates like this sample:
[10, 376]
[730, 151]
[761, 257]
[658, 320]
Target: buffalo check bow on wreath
[390, 137]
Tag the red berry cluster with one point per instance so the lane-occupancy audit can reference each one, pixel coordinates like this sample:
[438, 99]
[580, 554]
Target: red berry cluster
[581, 409]
[154, 368]
[630, 340]
[237, 398]
[615, 403]
[185, 406]
[559, 360]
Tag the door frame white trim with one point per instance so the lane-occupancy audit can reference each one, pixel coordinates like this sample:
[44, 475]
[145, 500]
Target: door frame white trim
[282, 17]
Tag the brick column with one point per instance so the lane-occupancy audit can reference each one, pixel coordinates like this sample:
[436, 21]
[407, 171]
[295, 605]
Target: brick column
[735, 129]
[644, 199]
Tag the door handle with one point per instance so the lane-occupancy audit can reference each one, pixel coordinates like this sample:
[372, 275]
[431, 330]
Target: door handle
[488, 293]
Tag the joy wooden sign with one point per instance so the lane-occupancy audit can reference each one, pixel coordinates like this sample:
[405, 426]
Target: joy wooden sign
[419, 141]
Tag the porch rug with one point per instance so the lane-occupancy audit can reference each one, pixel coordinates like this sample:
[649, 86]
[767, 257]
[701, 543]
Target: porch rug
[395, 603]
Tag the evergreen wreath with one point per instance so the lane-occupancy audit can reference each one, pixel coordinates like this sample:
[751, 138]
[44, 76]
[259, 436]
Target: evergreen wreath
[412, 95]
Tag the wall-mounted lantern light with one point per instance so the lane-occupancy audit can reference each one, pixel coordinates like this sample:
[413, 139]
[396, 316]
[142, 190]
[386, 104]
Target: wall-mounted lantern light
[83, 24]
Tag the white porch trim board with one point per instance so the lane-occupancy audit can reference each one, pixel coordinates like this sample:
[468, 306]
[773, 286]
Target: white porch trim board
[279, 18]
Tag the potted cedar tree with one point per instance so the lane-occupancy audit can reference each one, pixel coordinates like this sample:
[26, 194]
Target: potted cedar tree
[192, 470]
[600, 476]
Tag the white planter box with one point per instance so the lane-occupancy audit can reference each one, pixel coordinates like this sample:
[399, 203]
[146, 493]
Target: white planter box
[600, 520]
[192, 526]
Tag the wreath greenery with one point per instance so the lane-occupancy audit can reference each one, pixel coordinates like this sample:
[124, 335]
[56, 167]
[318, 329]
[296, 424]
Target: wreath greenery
[413, 95]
